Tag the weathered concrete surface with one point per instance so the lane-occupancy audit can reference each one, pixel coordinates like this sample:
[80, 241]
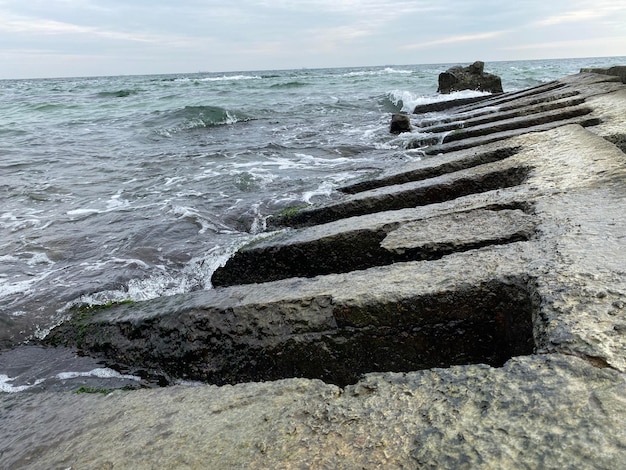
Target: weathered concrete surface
[529, 277]
[548, 412]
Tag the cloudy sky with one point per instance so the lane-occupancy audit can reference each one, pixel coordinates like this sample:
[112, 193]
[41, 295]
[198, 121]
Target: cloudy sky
[51, 38]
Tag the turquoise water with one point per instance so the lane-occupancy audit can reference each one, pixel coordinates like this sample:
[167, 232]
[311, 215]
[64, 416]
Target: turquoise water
[140, 186]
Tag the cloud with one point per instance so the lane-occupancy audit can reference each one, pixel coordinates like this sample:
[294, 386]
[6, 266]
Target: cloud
[601, 9]
[461, 38]
[611, 45]
[25, 25]
[571, 17]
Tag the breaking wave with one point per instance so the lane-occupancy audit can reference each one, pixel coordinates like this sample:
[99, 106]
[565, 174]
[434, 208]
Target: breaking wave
[406, 101]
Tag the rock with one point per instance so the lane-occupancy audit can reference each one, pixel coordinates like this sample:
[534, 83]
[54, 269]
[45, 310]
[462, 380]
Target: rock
[400, 123]
[477, 68]
[469, 78]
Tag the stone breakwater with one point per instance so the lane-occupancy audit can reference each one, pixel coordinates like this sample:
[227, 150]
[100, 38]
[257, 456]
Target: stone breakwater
[482, 292]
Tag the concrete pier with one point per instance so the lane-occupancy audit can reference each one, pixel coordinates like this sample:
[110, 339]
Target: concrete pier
[465, 311]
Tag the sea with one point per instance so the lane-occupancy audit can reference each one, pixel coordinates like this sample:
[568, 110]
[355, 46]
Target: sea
[136, 187]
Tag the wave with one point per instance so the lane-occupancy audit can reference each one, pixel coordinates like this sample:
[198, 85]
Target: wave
[385, 71]
[295, 84]
[390, 104]
[54, 107]
[221, 78]
[194, 117]
[117, 93]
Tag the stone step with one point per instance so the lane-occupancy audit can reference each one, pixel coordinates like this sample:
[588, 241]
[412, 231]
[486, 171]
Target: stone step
[433, 167]
[583, 120]
[517, 122]
[497, 123]
[439, 106]
[543, 106]
[333, 328]
[487, 177]
[311, 254]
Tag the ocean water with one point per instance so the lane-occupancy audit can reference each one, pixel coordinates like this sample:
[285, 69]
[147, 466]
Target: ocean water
[135, 187]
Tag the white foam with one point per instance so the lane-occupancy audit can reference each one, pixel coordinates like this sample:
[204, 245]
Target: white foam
[184, 212]
[116, 202]
[174, 180]
[9, 288]
[189, 383]
[6, 387]
[196, 273]
[130, 262]
[220, 79]
[15, 223]
[83, 212]
[102, 373]
[259, 223]
[385, 71]
[324, 189]
[18, 313]
[410, 100]
[39, 258]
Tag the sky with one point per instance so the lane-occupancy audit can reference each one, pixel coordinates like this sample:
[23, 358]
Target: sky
[61, 38]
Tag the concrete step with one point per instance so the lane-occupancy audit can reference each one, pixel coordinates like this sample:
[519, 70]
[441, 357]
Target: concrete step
[479, 179]
[312, 254]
